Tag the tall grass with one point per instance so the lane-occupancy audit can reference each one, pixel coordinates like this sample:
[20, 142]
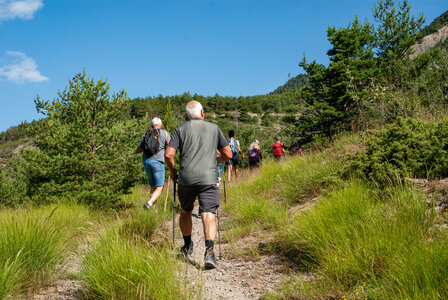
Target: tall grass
[143, 223]
[264, 201]
[383, 246]
[296, 180]
[31, 248]
[118, 268]
[10, 276]
[34, 242]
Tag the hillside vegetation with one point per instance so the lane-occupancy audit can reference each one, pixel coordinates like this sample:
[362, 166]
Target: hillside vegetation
[360, 214]
[81, 150]
[351, 238]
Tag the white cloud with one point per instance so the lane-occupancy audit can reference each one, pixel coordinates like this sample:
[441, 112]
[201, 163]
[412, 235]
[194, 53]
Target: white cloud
[19, 68]
[23, 9]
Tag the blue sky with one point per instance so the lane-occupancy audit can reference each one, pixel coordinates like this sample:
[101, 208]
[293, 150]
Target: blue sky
[229, 47]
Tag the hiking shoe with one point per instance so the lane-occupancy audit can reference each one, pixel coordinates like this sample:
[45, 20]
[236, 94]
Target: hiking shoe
[184, 251]
[147, 205]
[209, 259]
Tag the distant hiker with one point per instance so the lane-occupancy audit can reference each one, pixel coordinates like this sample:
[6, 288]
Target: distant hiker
[220, 171]
[153, 146]
[277, 149]
[254, 154]
[297, 150]
[197, 141]
[234, 161]
[220, 168]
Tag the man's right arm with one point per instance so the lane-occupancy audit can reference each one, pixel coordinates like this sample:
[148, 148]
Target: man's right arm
[226, 154]
[170, 151]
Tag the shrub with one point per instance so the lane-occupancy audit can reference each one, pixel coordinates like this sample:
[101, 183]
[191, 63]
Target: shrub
[12, 189]
[385, 247]
[406, 148]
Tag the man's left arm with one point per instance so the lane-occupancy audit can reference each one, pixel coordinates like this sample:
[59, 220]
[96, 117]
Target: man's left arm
[169, 160]
[139, 148]
[225, 153]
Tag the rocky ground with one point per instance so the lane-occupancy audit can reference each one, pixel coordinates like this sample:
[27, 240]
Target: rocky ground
[430, 41]
[235, 278]
[66, 287]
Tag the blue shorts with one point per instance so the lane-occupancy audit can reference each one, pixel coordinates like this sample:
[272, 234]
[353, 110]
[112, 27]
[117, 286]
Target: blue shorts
[155, 171]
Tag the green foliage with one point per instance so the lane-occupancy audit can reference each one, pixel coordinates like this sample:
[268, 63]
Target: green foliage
[435, 25]
[169, 121]
[31, 248]
[370, 79]
[9, 277]
[246, 118]
[380, 247]
[83, 147]
[262, 203]
[335, 93]
[267, 120]
[12, 189]
[407, 148]
[292, 84]
[397, 31]
[116, 268]
[16, 132]
[144, 223]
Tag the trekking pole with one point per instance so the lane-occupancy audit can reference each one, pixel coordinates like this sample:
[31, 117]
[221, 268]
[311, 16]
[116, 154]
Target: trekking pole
[174, 208]
[167, 193]
[219, 234]
[225, 196]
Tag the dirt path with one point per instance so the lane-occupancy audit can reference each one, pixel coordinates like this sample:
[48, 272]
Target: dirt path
[234, 278]
[66, 287]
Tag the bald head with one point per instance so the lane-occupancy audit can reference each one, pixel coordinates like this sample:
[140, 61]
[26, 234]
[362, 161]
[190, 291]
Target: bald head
[194, 109]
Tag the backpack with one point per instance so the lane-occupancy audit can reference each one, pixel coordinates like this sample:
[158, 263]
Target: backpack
[277, 149]
[233, 147]
[254, 155]
[151, 142]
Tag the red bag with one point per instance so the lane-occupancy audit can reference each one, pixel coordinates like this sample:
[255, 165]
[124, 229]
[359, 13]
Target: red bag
[277, 149]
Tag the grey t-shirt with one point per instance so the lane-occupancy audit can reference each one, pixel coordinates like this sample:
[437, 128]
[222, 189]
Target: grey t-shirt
[164, 140]
[197, 141]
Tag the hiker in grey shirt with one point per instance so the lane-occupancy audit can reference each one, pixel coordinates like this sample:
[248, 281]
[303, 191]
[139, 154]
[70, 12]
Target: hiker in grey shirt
[155, 165]
[197, 141]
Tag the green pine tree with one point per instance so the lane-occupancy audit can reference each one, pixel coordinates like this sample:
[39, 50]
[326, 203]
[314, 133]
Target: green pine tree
[169, 121]
[83, 146]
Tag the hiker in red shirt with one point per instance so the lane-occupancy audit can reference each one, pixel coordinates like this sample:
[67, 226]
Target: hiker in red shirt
[277, 150]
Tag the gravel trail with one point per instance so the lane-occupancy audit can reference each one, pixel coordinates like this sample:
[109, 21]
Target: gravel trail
[234, 278]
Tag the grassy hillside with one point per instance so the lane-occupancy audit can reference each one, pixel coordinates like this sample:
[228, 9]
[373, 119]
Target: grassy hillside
[341, 235]
[349, 238]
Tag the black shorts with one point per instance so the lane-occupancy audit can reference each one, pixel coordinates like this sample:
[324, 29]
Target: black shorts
[208, 196]
[233, 161]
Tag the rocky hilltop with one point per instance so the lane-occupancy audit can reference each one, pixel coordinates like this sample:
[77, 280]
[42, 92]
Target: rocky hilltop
[430, 41]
